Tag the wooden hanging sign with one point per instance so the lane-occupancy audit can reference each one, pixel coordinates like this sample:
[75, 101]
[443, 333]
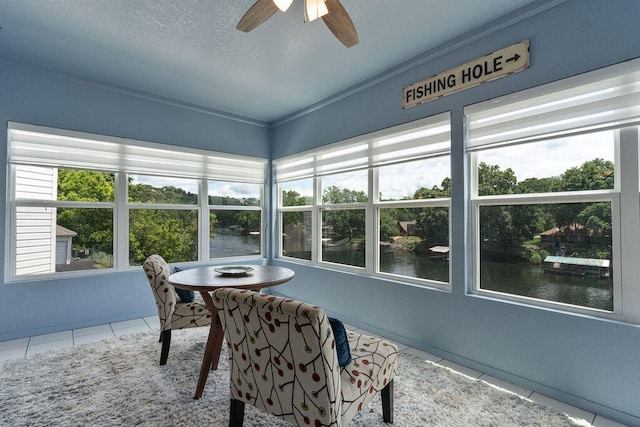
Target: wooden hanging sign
[490, 67]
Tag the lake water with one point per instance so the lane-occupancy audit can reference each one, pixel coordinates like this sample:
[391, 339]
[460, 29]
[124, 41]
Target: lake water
[518, 279]
[230, 244]
[531, 281]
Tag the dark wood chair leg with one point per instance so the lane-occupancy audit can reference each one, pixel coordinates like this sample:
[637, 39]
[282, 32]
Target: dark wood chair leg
[236, 415]
[387, 403]
[165, 338]
[217, 344]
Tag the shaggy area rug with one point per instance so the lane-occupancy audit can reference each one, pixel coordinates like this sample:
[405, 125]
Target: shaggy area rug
[119, 382]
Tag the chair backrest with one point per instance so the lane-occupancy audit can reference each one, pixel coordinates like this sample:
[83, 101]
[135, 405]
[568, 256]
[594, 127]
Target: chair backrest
[158, 272]
[282, 356]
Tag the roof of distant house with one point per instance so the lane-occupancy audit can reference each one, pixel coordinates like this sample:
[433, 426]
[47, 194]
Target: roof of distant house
[63, 231]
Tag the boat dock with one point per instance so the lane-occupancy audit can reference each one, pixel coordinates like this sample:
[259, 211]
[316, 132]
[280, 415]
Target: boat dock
[577, 266]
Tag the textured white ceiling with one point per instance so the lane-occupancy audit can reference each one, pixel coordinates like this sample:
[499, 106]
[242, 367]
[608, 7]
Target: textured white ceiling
[190, 51]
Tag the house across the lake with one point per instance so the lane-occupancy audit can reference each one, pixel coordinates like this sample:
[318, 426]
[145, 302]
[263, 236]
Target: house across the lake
[574, 233]
[407, 228]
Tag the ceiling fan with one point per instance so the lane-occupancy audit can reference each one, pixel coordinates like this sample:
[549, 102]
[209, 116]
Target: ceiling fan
[332, 13]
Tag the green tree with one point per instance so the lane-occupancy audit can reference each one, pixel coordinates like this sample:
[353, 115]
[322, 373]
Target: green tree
[345, 223]
[292, 198]
[233, 201]
[93, 225]
[171, 233]
[335, 195]
[145, 193]
[434, 192]
[596, 174]
[596, 218]
[388, 224]
[432, 226]
[505, 228]
[524, 221]
[492, 180]
[539, 185]
[248, 220]
[497, 232]
[85, 186]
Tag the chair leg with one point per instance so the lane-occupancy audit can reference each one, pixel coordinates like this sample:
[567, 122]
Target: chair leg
[165, 338]
[236, 415]
[387, 403]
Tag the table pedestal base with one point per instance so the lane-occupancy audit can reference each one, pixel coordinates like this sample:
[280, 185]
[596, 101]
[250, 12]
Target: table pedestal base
[214, 345]
[208, 279]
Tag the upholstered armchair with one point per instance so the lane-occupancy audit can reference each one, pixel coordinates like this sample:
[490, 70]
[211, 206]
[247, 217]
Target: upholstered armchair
[173, 313]
[283, 360]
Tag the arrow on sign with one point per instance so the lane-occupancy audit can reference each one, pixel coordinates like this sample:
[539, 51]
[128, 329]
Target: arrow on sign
[514, 58]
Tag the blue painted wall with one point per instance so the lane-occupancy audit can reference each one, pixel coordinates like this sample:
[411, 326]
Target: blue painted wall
[588, 362]
[585, 361]
[37, 96]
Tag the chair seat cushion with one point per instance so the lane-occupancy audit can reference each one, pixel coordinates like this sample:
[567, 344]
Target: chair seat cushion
[372, 367]
[189, 315]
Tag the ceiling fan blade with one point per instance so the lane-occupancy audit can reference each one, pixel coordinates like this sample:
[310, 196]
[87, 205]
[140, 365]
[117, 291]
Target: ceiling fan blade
[340, 24]
[256, 15]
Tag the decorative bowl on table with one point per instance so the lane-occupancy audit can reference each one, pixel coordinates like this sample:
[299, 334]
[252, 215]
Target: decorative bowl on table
[234, 270]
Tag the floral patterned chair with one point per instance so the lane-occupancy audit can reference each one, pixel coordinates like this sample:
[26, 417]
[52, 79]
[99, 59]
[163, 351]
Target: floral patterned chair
[283, 360]
[173, 313]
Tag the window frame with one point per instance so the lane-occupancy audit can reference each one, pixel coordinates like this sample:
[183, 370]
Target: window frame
[508, 116]
[200, 165]
[304, 168]
[611, 196]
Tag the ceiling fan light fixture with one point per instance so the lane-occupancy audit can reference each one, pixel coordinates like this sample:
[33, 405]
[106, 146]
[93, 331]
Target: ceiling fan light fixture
[283, 5]
[314, 9]
[338, 21]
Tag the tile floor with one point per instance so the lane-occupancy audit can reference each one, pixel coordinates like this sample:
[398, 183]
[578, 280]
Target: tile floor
[37, 344]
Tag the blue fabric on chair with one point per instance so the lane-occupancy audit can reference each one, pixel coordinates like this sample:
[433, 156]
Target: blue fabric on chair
[342, 343]
[184, 294]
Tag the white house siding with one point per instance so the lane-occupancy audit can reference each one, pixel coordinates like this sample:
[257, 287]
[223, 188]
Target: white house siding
[35, 226]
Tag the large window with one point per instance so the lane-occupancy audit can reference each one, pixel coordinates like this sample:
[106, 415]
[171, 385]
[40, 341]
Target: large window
[555, 196]
[235, 219]
[88, 202]
[377, 204]
[62, 215]
[163, 218]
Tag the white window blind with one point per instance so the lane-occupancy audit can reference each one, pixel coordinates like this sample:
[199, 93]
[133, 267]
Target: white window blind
[597, 100]
[42, 146]
[411, 141]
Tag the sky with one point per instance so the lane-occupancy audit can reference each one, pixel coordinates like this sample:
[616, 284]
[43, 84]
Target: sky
[551, 158]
